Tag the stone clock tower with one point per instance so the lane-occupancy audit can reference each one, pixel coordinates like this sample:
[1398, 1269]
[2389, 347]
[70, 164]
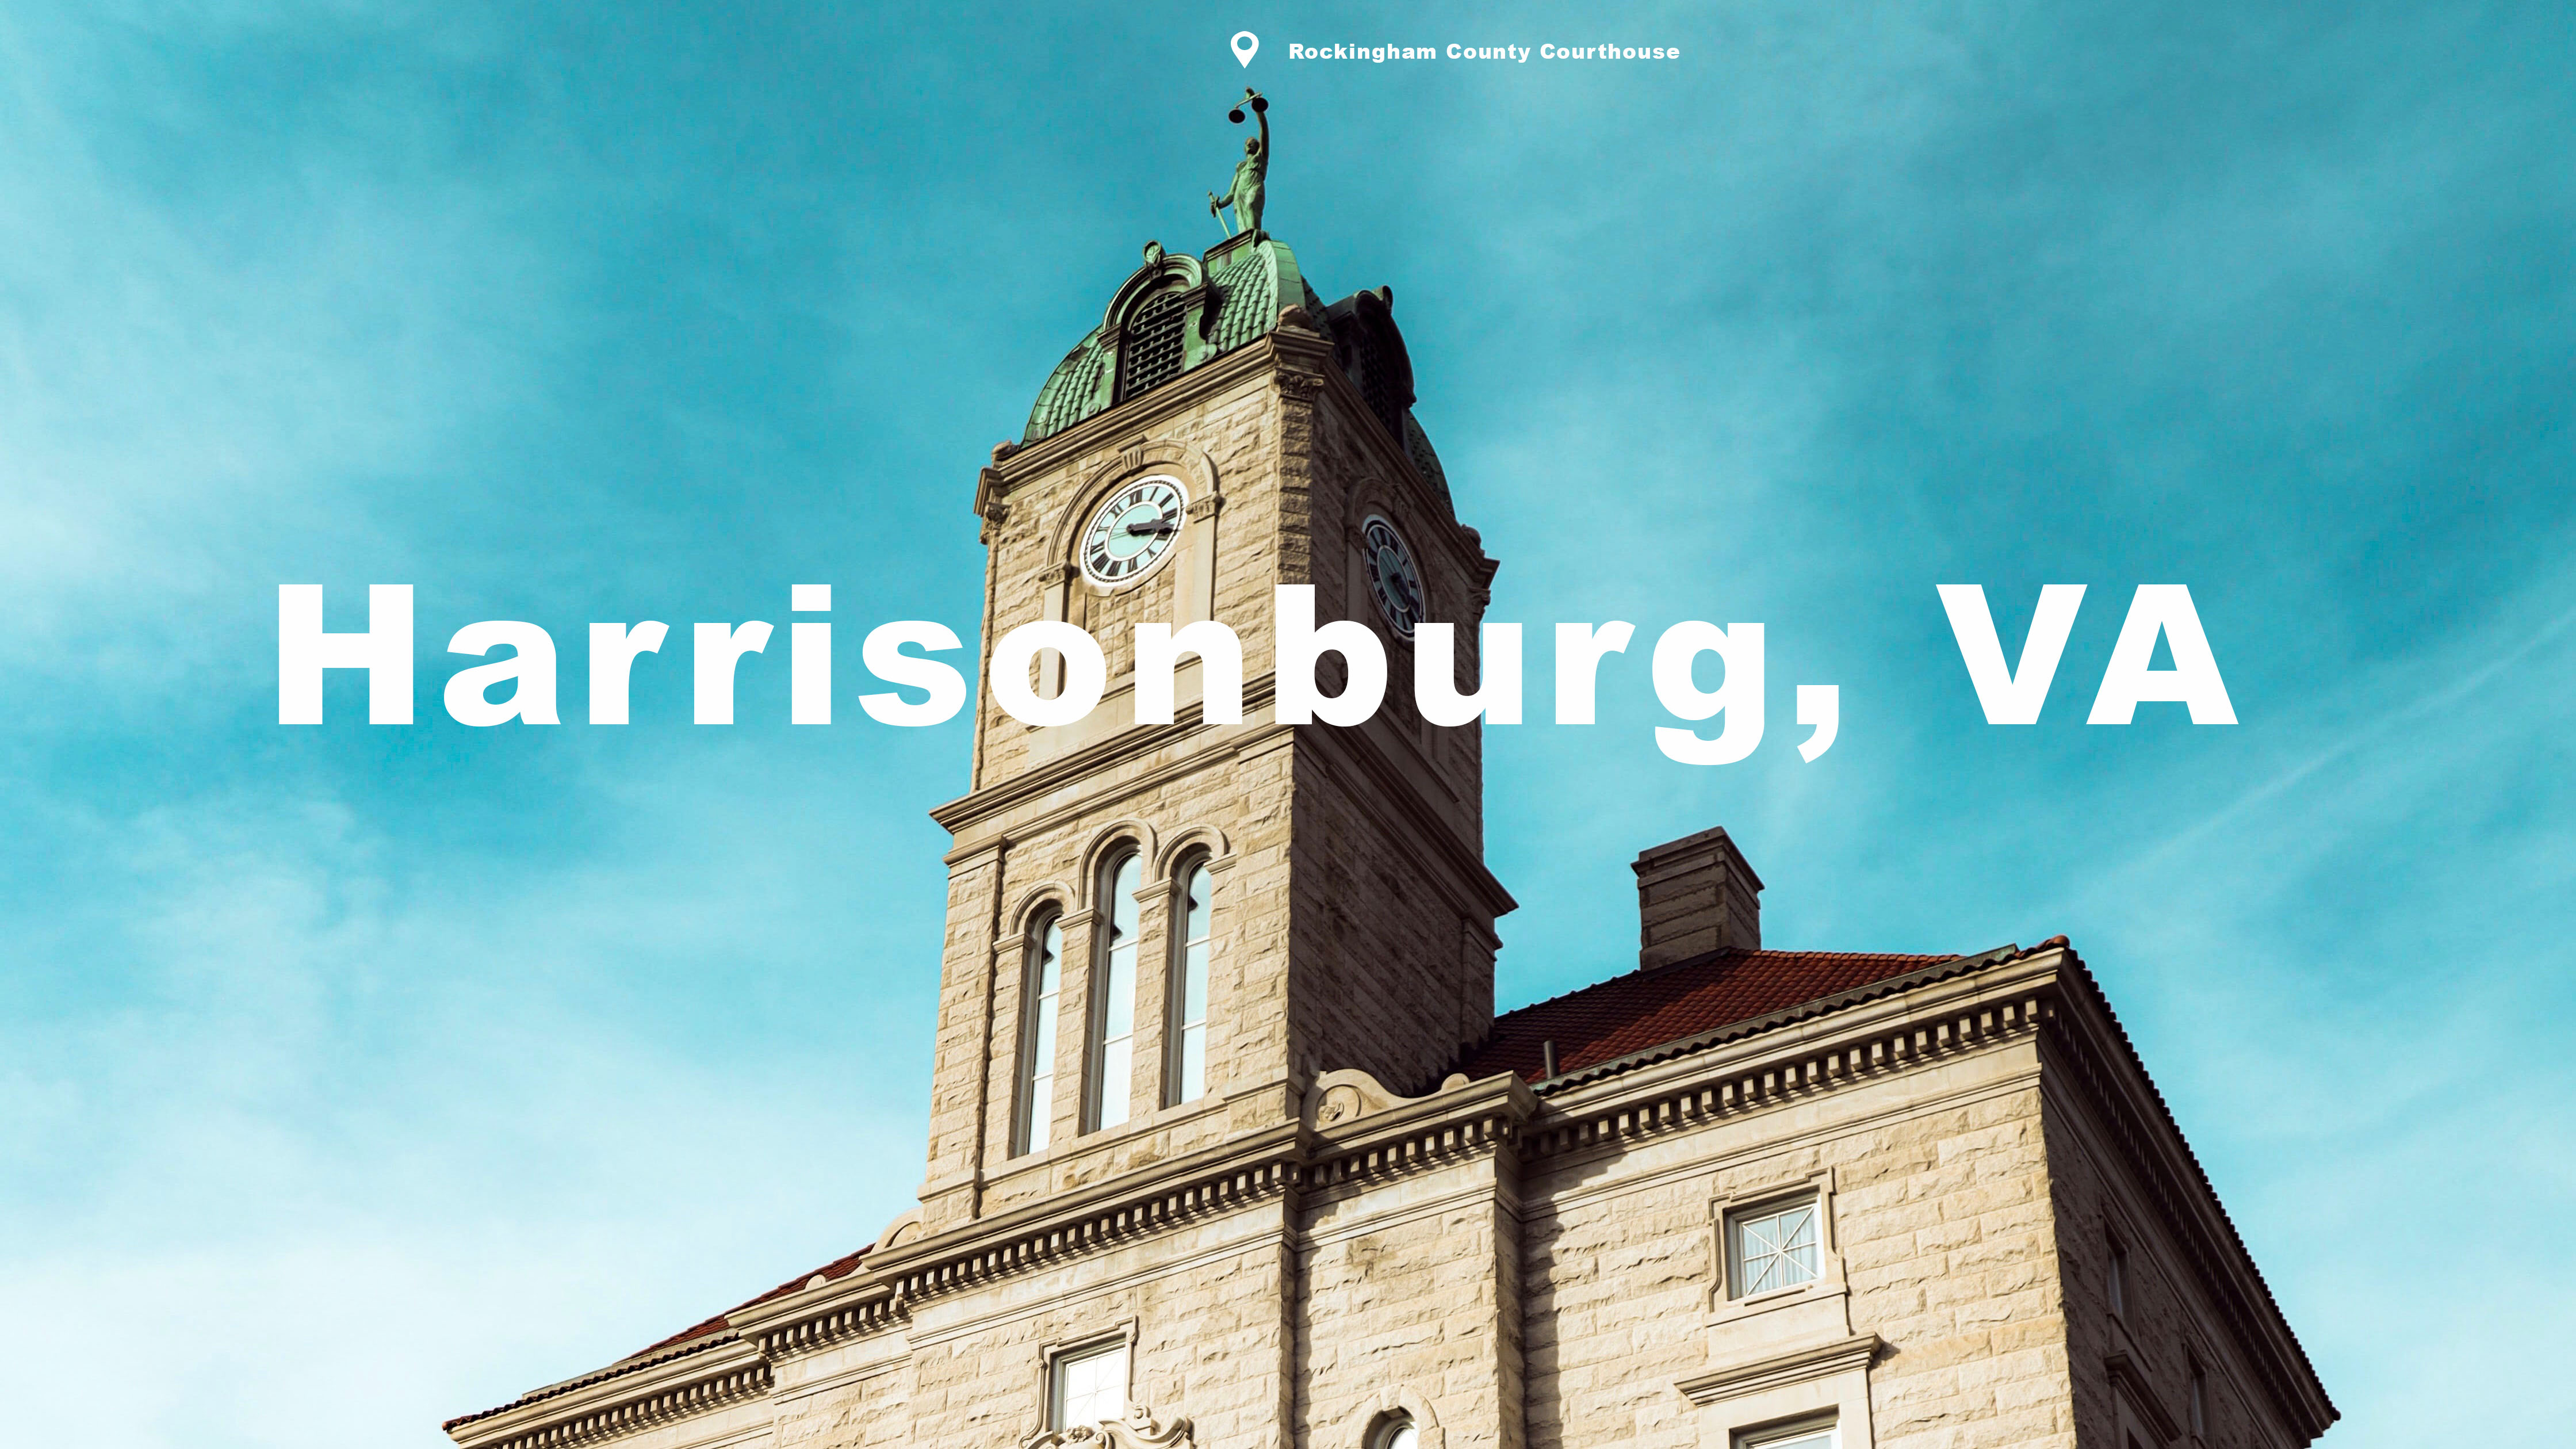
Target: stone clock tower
[1228, 1147]
[1256, 438]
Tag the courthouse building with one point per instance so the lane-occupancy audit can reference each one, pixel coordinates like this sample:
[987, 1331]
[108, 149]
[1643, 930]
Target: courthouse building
[1228, 1147]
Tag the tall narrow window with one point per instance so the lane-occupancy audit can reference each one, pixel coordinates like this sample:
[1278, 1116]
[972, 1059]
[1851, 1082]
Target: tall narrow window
[1113, 1035]
[1190, 990]
[2199, 1401]
[1037, 1036]
[2119, 1280]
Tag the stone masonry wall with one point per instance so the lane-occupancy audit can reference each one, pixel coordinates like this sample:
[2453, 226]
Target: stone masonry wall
[1411, 1285]
[1211, 1337]
[1352, 482]
[2167, 1324]
[1396, 957]
[1940, 1212]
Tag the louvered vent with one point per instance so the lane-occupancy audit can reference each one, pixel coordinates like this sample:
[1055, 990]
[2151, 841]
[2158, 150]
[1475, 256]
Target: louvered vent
[1151, 354]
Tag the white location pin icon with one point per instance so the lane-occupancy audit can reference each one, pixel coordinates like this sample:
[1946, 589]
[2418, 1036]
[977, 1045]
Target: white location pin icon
[1245, 44]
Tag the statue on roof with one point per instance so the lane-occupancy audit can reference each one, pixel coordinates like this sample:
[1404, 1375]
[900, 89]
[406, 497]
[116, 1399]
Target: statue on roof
[1243, 193]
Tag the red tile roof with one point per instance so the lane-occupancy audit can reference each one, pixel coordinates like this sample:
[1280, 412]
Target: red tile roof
[837, 1268]
[1645, 1009]
[670, 1347]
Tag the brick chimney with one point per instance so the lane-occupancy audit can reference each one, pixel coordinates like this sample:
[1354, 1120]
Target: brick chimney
[1696, 894]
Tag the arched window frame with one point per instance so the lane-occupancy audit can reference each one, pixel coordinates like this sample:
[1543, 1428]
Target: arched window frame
[1397, 1409]
[1110, 1044]
[1395, 1431]
[1173, 281]
[1191, 973]
[1153, 342]
[1041, 1016]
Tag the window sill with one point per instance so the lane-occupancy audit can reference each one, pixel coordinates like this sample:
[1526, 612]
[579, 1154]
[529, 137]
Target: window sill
[1088, 1143]
[1816, 1291]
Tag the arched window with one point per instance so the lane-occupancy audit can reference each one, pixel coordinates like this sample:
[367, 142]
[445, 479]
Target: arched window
[1396, 1433]
[1045, 983]
[1188, 1035]
[1113, 1014]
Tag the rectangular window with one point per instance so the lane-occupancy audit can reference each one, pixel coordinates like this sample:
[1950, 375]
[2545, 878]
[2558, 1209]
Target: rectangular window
[1771, 1247]
[2199, 1401]
[2119, 1280]
[1190, 993]
[1044, 989]
[1809, 1435]
[1113, 1052]
[1090, 1387]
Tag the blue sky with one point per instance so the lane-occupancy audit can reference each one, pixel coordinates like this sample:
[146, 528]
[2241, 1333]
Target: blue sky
[352, 1077]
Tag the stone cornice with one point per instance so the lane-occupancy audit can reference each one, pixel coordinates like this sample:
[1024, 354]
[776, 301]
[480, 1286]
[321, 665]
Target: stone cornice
[1360, 744]
[706, 1374]
[1247, 1169]
[1036, 783]
[2094, 1055]
[1462, 1120]
[1891, 988]
[1140, 414]
[1891, 1026]
[820, 1316]
[1839, 1356]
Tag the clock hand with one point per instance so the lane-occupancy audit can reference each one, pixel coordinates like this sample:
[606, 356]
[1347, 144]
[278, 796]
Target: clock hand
[1154, 525]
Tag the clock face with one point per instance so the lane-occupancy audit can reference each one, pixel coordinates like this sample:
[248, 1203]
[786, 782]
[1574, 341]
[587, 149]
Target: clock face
[1393, 580]
[1133, 530]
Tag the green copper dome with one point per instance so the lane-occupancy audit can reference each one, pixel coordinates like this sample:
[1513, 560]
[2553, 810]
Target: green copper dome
[1231, 298]
[1178, 312]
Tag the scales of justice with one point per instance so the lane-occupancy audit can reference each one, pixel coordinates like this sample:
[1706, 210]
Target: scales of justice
[1244, 192]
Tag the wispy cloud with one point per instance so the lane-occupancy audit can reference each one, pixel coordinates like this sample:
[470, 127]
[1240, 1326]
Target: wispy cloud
[477, 1034]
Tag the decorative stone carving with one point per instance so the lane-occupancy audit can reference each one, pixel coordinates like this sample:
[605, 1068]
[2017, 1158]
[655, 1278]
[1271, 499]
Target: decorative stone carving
[1345, 1094]
[1139, 1428]
[1340, 1103]
[902, 1230]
